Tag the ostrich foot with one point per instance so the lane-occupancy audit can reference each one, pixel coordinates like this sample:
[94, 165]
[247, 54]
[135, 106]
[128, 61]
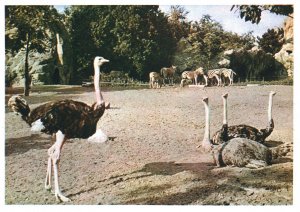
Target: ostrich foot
[98, 137]
[60, 197]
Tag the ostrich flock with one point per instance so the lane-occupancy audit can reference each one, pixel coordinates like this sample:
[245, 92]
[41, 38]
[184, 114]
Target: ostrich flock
[238, 145]
[214, 76]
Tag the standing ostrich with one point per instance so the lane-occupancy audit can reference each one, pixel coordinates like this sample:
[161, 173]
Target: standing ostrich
[67, 119]
[242, 130]
[240, 152]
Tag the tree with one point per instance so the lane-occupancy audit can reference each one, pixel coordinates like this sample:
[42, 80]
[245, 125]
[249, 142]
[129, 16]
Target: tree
[271, 41]
[253, 12]
[178, 22]
[206, 42]
[32, 24]
[136, 39]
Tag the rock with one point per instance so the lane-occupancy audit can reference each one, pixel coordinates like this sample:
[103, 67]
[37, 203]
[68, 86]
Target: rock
[289, 29]
[224, 63]
[44, 68]
[285, 56]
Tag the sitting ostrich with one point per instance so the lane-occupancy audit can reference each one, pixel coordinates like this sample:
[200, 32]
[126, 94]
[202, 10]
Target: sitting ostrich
[67, 119]
[240, 152]
[242, 130]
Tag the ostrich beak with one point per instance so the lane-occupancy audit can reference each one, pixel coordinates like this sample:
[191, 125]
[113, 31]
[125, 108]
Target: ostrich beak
[205, 99]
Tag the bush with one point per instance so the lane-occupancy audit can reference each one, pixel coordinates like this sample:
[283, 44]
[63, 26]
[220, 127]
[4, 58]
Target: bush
[10, 77]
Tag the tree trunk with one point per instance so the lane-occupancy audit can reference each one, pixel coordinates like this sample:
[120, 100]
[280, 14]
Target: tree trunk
[26, 72]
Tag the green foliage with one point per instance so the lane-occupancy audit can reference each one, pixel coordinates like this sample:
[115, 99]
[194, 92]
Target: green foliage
[179, 25]
[9, 78]
[205, 44]
[271, 41]
[253, 12]
[33, 26]
[136, 39]
[255, 65]
[32, 21]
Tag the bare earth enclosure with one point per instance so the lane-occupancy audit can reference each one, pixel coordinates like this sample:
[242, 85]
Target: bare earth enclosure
[151, 156]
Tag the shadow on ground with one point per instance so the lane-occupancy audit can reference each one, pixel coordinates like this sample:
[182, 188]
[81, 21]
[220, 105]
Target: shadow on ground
[26, 143]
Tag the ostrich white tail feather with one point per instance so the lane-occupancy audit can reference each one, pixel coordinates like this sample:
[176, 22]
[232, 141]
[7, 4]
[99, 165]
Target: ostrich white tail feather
[98, 137]
[37, 126]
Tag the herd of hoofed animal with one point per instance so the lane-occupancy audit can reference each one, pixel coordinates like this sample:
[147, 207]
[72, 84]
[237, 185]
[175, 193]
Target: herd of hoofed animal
[219, 76]
[237, 145]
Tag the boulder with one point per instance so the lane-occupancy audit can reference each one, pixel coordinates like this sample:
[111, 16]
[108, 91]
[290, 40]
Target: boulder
[286, 56]
[49, 67]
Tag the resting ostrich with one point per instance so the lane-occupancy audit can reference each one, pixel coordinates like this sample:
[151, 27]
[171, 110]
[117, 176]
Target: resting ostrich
[241, 152]
[244, 131]
[67, 119]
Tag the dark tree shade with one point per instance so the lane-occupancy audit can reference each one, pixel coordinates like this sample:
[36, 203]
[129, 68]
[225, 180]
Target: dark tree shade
[271, 41]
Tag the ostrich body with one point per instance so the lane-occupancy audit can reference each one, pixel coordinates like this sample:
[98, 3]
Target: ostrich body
[240, 152]
[242, 130]
[67, 119]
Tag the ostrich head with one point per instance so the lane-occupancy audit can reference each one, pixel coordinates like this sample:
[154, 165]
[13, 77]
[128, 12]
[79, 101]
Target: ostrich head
[272, 93]
[225, 95]
[99, 61]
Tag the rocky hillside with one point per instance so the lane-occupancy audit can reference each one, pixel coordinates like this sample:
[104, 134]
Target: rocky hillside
[286, 55]
[44, 68]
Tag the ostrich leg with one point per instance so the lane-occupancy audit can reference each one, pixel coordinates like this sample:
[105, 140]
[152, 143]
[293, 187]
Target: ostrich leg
[54, 154]
[48, 175]
[49, 166]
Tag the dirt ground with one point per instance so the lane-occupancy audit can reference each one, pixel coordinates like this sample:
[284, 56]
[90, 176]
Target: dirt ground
[151, 157]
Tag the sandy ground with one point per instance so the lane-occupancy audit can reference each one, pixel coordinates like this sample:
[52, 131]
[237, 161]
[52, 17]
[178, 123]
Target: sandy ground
[151, 156]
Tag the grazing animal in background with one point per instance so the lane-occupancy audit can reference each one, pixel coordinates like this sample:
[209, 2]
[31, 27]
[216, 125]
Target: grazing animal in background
[155, 80]
[214, 74]
[240, 152]
[168, 73]
[67, 119]
[227, 73]
[193, 75]
[242, 130]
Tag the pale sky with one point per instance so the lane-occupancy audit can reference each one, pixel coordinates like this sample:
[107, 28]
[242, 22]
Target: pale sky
[228, 19]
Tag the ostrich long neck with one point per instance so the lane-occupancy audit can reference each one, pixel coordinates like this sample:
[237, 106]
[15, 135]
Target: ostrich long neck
[207, 123]
[225, 111]
[270, 108]
[99, 97]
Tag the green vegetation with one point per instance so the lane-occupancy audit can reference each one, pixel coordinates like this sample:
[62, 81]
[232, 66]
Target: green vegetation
[33, 26]
[137, 39]
[253, 12]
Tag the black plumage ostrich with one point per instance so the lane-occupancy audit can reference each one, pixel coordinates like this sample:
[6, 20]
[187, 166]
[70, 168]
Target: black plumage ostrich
[242, 130]
[66, 119]
[240, 152]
